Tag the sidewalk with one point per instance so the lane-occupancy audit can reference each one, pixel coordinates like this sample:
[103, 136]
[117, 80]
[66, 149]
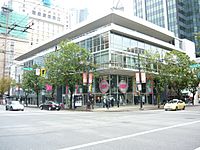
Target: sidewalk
[127, 108]
[121, 108]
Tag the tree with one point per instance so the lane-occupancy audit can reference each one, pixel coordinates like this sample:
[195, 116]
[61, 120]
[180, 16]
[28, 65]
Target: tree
[178, 67]
[66, 65]
[155, 68]
[5, 83]
[31, 81]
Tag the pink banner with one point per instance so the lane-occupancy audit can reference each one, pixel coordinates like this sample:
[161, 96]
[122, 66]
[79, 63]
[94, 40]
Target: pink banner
[48, 87]
[90, 78]
[84, 78]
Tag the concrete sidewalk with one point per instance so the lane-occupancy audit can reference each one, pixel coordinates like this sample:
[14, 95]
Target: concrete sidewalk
[126, 108]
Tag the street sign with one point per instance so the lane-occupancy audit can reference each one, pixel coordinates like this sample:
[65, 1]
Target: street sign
[195, 66]
[28, 68]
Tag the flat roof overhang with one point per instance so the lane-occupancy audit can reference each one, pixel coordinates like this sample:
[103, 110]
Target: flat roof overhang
[133, 23]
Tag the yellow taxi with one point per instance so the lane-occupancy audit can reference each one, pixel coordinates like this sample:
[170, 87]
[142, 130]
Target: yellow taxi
[175, 104]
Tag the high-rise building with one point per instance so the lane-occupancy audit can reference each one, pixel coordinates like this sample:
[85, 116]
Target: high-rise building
[179, 16]
[26, 23]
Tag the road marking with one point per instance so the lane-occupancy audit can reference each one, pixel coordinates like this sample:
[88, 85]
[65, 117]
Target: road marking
[128, 136]
[197, 148]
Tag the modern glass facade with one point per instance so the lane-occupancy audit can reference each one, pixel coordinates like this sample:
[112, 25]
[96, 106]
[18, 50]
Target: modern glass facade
[118, 55]
[179, 16]
[116, 50]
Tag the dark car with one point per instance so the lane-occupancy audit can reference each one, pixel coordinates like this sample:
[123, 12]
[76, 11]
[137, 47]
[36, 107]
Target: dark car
[50, 105]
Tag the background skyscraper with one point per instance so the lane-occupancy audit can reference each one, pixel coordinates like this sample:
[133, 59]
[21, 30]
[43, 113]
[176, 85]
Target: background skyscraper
[179, 16]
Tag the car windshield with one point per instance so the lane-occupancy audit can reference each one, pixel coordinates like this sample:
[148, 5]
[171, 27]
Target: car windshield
[173, 101]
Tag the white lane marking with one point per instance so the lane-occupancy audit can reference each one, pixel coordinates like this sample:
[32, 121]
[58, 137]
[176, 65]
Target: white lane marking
[197, 148]
[128, 136]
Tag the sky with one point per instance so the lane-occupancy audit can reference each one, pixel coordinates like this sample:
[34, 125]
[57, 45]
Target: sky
[95, 7]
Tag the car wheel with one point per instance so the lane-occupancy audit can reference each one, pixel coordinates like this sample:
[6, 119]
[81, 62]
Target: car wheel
[176, 109]
[166, 110]
[11, 108]
[41, 107]
[49, 108]
[184, 108]
[6, 108]
[22, 110]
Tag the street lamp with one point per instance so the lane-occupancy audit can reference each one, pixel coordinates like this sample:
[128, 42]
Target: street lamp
[140, 82]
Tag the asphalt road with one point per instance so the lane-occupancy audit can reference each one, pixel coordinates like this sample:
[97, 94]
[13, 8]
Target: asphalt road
[36, 129]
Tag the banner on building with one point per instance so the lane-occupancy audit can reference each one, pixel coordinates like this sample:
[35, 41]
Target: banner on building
[48, 87]
[123, 86]
[90, 78]
[84, 78]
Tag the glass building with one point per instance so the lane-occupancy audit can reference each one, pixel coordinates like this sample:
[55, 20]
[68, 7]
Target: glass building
[115, 42]
[179, 16]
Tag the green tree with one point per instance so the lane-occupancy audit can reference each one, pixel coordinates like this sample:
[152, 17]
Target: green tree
[155, 68]
[5, 83]
[66, 65]
[32, 82]
[178, 68]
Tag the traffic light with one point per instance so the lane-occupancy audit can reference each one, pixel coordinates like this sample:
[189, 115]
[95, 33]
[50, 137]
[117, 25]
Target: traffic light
[43, 72]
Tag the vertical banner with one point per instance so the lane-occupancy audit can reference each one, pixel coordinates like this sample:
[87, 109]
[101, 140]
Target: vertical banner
[48, 87]
[37, 72]
[90, 88]
[149, 87]
[84, 78]
[77, 92]
[137, 77]
[143, 77]
[90, 78]
[67, 89]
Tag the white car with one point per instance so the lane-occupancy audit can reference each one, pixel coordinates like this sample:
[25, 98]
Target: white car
[14, 105]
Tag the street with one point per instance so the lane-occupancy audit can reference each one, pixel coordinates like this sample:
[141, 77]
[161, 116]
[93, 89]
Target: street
[35, 129]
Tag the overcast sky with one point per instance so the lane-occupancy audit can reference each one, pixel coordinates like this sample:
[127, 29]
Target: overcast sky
[95, 7]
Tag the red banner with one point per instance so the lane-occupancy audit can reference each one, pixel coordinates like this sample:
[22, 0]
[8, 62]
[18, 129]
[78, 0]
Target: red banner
[67, 89]
[84, 78]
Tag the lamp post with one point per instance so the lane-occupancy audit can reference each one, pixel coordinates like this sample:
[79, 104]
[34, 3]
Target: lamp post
[140, 83]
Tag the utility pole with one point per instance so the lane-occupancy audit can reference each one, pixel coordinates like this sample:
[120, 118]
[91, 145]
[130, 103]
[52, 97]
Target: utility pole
[6, 11]
[140, 83]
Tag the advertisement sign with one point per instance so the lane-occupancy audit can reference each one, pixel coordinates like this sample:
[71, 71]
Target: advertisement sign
[137, 77]
[48, 87]
[149, 87]
[143, 77]
[104, 86]
[123, 86]
[84, 78]
[90, 78]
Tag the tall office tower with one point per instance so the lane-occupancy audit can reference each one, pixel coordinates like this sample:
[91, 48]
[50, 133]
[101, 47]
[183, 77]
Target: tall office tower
[25, 23]
[179, 16]
[77, 16]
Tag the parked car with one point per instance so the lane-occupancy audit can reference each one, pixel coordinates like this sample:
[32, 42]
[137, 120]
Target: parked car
[14, 105]
[50, 105]
[175, 104]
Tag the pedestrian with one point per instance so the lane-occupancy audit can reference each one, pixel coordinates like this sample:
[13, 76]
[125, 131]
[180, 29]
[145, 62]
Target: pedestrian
[104, 102]
[92, 102]
[118, 103]
[88, 104]
[107, 103]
